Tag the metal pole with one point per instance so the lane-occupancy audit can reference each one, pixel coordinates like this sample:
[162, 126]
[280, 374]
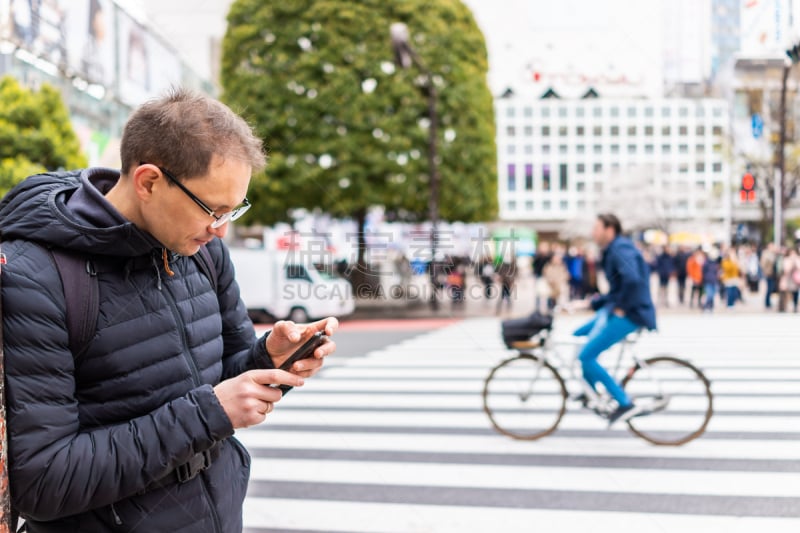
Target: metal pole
[433, 170]
[781, 170]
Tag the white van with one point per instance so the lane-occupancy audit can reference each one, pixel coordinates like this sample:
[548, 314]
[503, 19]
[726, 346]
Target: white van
[280, 284]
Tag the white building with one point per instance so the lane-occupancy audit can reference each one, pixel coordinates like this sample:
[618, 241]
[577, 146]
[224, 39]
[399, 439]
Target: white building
[653, 160]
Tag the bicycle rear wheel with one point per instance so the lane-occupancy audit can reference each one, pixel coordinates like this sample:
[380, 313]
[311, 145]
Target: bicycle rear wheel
[676, 398]
[524, 397]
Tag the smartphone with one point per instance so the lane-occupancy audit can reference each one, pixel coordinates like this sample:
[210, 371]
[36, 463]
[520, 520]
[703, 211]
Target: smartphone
[304, 352]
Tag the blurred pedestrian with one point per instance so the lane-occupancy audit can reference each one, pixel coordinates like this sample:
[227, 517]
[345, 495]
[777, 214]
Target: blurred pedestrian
[694, 271]
[506, 274]
[711, 279]
[789, 283]
[665, 268]
[681, 272]
[487, 276]
[731, 277]
[575, 262]
[557, 278]
[769, 264]
[540, 260]
[752, 269]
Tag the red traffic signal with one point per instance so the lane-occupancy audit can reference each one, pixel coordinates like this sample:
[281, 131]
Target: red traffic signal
[748, 182]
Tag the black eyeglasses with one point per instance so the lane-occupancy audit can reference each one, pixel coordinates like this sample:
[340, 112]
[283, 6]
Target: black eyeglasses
[219, 220]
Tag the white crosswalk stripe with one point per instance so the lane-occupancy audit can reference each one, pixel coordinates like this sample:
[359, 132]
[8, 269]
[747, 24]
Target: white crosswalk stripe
[397, 441]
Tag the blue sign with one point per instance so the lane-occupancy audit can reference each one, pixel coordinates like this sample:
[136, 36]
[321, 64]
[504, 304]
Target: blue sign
[757, 124]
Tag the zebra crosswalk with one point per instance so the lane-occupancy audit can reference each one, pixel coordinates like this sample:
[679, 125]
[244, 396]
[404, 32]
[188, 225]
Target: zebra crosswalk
[397, 441]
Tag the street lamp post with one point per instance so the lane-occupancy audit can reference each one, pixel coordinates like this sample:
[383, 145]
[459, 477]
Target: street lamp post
[405, 56]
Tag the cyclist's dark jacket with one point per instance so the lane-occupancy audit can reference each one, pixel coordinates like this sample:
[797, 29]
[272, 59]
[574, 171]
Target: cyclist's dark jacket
[94, 441]
[629, 280]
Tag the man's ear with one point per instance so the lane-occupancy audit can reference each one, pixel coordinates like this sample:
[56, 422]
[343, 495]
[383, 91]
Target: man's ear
[144, 179]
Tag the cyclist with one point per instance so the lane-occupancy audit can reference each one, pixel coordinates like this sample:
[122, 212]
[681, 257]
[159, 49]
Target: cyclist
[626, 308]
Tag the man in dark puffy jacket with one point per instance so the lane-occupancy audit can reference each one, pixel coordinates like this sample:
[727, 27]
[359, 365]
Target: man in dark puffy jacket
[626, 308]
[135, 432]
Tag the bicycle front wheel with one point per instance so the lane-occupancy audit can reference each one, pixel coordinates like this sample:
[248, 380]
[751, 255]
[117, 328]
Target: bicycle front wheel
[675, 397]
[524, 397]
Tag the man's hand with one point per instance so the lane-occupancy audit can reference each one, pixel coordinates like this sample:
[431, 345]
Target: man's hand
[247, 399]
[287, 337]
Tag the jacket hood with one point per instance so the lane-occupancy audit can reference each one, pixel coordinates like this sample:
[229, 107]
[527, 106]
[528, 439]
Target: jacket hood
[69, 210]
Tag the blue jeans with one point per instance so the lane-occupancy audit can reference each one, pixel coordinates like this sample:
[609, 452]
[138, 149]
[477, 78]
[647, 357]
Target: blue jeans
[711, 293]
[603, 331]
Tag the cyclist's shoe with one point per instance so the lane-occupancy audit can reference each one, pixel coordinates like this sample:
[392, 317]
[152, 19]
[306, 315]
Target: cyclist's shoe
[623, 412]
[582, 398]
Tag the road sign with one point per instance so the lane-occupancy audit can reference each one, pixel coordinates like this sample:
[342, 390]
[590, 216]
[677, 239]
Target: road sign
[757, 124]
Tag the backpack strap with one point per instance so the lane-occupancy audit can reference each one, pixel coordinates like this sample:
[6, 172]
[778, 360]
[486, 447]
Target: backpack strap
[81, 295]
[206, 264]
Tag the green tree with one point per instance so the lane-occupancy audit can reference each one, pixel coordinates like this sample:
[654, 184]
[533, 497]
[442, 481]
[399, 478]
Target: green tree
[345, 130]
[35, 133]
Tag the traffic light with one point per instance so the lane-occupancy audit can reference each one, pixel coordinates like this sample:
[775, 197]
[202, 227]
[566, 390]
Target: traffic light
[747, 191]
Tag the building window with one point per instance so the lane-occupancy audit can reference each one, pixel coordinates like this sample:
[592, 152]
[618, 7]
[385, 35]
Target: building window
[580, 149]
[665, 131]
[648, 130]
[580, 168]
[581, 205]
[700, 185]
[598, 187]
[580, 186]
[598, 149]
[649, 148]
[666, 148]
[700, 167]
[562, 112]
[545, 131]
[614, 148]
[528, 149]
[562, 131]
[700, 111]
[615, 111]
[597, 112]
[528, 177]
[666, 112]
[683, 168]
[716, 167]
[511, 131]
[632, 112]
[563, 182]
[717, 130]
[528, 205]
[579, 111]
[545, 177]
[700, 131]
[614, 131]
[545, 149]
[512, 177]
[562, 149]
[683, 112]
[510, 112]
[666, 168]
[580, 131]
[528, 112]
[512, 205]
[564, 205]
[528, 131]
[547, 205]
[648, 111]
[717, 112]
[546, 112]
[700, 148]
[597, 168]
[597, 131]
[683, 149]
[632, 131]
[683, 131]
[632, 149]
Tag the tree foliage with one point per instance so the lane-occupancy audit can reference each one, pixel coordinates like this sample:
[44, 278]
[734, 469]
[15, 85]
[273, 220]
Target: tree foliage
[35, 133]
[344, 129]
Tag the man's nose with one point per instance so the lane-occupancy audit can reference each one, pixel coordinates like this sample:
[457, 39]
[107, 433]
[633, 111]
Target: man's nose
[219, 232]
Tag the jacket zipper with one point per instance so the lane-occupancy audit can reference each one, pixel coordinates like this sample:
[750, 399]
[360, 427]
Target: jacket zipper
[117, 519]
[196, 379]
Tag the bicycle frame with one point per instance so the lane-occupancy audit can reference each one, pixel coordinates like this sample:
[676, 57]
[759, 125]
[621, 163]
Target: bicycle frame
[550, 352]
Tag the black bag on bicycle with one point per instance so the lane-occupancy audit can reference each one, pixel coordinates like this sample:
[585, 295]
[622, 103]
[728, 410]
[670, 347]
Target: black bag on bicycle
[522, 329]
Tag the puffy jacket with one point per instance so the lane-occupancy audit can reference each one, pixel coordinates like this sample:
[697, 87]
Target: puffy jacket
[94, 440]
[629, 283]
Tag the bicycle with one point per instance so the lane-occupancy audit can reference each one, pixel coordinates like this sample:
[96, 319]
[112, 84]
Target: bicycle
[525, 396]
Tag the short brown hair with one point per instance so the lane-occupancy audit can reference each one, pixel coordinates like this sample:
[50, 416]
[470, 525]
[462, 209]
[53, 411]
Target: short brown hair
[183, 130]
[610, 220]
